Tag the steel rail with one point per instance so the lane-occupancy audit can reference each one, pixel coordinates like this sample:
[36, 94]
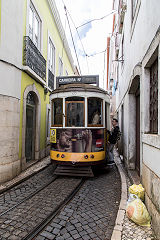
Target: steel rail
[29, 196]
[52, 215]
[23, 179]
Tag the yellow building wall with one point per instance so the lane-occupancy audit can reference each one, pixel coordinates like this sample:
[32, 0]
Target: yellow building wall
[26, 81]
[48, 25]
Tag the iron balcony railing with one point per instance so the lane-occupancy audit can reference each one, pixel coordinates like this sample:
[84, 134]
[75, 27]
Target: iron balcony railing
[50, 80]
[33, 58]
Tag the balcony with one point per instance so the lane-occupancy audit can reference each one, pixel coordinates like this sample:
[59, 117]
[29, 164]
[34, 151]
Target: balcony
[50, 80]
[33, 58]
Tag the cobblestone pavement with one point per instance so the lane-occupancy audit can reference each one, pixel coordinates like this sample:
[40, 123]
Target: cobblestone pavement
[130, 230]
[20, 221]
[32, 170]
[13, 196]
[92, 212]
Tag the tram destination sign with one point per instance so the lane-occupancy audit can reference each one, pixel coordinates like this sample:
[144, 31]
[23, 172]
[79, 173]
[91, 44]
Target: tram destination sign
[88, 79]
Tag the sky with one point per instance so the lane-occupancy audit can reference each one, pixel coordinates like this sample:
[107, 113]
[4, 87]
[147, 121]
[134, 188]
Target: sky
[92, 37]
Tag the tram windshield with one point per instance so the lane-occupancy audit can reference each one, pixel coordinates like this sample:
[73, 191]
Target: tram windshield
[94, 111]
[74, 112]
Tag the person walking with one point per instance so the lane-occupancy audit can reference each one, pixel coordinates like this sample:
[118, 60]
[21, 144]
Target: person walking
[113, 138]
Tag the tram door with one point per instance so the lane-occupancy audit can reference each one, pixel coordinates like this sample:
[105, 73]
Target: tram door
[30, 131]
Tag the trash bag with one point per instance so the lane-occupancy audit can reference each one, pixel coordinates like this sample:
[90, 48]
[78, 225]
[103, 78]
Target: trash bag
[137, 211]
[138, 190]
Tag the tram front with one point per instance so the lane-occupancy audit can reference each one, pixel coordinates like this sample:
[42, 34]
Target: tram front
[79, 117]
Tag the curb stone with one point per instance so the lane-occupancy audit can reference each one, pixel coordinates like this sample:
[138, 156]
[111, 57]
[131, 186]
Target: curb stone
[117, 232]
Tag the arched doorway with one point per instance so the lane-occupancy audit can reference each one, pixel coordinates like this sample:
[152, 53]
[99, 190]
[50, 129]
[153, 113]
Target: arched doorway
[134, 120]
[30, 126]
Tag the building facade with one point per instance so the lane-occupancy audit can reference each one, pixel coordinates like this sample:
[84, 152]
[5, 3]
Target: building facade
[134, 65]
[33, 51]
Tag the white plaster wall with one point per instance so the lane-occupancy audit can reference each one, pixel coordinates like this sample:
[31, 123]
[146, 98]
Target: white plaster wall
[151, 158]
[9, 137]
[136, 45]
[12, 31]
[10, 80]
[11, 48]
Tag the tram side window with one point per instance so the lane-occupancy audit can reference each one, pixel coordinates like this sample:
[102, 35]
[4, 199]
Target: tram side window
[95, 112]
[58, 112]
[74, 113]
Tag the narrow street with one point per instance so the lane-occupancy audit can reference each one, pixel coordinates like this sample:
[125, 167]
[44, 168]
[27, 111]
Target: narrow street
[97, 211]
[79, 91]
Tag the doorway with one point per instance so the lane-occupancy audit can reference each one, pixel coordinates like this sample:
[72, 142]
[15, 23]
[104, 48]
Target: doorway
[137, 163]
[30, 127]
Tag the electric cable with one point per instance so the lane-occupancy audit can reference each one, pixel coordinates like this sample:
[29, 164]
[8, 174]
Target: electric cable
[92, 55]
[86, 55]
[96, 19]
[72, 39]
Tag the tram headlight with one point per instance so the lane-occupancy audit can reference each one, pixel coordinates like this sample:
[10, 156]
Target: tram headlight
[92, 156]
[86, 156]
[58, 155]
[62, 156]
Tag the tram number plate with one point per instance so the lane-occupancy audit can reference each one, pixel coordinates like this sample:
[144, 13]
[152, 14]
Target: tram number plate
[53, 135]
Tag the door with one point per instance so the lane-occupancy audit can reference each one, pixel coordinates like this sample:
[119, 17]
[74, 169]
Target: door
[30, 133]
[138, 132]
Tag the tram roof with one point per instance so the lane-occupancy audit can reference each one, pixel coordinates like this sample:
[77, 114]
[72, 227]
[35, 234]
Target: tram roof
[79, 87]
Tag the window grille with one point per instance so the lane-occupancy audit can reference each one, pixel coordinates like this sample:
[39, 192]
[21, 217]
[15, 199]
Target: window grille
[154, 98]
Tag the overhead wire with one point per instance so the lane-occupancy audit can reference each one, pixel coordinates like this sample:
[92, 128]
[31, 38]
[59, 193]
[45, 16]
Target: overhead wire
[72, 39]
[96, 19]
[86, 55]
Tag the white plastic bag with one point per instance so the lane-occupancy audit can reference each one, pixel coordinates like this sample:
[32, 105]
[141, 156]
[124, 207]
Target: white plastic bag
[137, 211]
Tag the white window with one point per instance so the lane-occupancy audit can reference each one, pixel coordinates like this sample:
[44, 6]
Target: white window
[51, 57]
[34, 26]
[60, 67]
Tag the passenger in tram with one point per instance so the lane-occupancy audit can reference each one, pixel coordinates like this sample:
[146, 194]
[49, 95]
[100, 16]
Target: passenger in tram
[96, 118]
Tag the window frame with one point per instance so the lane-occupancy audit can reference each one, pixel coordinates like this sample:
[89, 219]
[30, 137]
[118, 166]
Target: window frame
[52, 118]
[51, 46]
[95, 125]
[74, 101]
[37, 17]
[152, 128]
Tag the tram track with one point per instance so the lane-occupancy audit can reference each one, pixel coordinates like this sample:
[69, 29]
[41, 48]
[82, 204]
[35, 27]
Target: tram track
[28, 197]
[25, 189]
[52, 215]
[29, 216]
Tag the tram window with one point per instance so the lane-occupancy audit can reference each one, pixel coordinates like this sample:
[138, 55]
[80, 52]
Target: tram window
[58, 112]
[95, 112]
[74, 113]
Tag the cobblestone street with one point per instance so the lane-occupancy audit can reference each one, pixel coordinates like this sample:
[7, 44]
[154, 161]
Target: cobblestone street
[92, 212]
[96, 212]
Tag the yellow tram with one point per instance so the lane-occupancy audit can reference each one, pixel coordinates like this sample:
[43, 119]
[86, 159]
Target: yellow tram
[79, 118]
